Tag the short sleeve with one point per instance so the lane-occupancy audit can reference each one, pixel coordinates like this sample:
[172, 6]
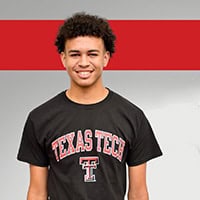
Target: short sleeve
[145, 146]
[30, 150]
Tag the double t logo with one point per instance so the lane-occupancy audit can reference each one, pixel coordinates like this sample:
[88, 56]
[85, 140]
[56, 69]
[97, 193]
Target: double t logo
[88, 164]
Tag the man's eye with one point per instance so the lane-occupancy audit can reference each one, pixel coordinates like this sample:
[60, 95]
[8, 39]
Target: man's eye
[74, 55]
[93, 54]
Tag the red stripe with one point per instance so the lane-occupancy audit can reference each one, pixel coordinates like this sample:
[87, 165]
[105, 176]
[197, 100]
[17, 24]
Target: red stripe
[141, 45]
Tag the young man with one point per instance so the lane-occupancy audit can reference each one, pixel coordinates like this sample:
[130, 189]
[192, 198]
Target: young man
[79, 142]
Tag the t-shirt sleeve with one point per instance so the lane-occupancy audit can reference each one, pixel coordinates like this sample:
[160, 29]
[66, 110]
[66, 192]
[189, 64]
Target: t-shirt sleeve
[145, 146]
[30, 150]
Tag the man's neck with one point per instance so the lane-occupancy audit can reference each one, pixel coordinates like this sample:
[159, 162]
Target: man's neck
[87, 95]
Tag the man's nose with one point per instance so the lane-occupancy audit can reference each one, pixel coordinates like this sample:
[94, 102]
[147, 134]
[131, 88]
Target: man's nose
[84, 61]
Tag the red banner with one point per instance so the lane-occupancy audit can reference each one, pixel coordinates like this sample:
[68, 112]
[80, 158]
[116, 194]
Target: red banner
[140, 45]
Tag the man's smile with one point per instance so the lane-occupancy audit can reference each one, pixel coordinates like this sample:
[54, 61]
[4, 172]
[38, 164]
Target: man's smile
[84, 73]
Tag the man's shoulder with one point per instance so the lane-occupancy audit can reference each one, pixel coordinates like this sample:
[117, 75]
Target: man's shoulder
[48, 106]
[123, 101]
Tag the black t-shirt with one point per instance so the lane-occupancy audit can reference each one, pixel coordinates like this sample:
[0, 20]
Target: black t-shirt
[87, 147]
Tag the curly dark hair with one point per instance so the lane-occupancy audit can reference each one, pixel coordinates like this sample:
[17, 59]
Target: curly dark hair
[82, 24]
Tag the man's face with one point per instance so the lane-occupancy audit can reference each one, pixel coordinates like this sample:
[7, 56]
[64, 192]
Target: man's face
[84, 59]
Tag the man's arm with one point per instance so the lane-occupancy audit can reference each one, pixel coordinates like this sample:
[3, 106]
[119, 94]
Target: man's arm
[38, 183]
[137, 183]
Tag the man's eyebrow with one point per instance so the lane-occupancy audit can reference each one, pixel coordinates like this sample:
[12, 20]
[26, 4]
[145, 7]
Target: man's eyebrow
[73, 51]
[93, 50]
[89, 51]
[76, 51]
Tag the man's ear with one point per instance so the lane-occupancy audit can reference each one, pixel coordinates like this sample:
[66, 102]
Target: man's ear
[63, 59]
[106, 58]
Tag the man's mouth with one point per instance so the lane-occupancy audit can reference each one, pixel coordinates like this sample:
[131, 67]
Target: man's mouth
[84, 74]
